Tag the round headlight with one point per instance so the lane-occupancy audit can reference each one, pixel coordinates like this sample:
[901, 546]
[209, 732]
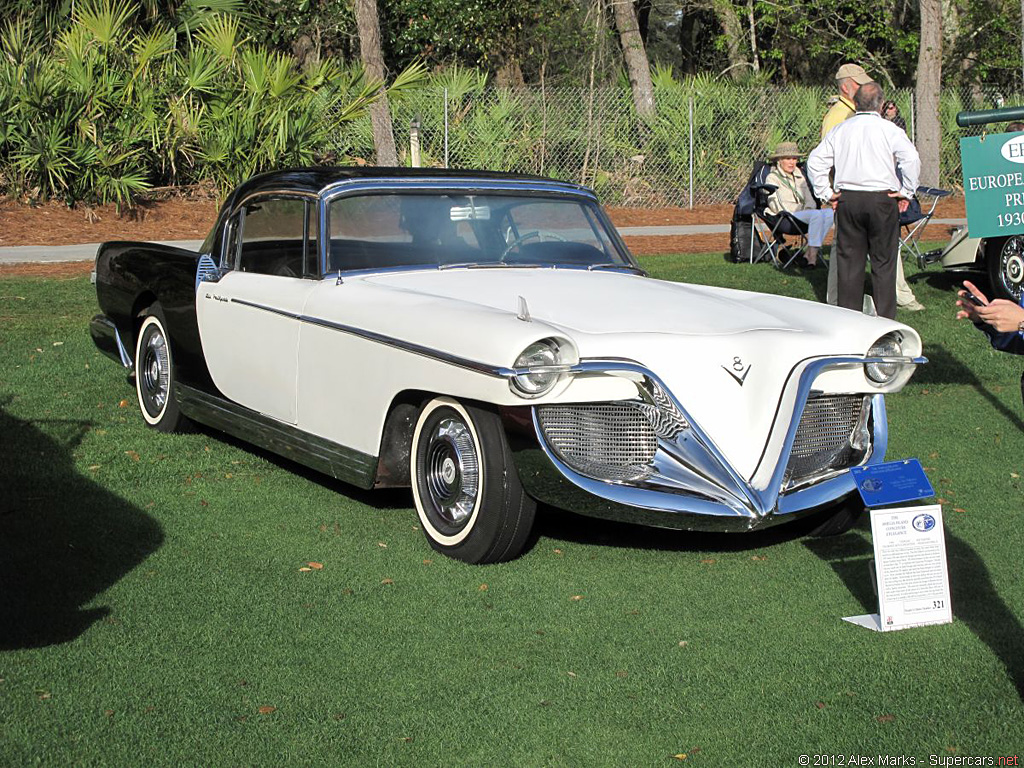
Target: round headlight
[889, 345]
[538, 368]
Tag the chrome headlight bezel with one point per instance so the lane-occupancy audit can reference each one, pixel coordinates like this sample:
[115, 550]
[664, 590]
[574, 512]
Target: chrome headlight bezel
[541, 366]
[881, 374]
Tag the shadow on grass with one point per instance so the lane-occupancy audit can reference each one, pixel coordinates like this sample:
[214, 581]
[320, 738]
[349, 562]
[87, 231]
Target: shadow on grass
[945, 368]
[975, 600]
[568, 526]
[942, 280]
[379, 498]
[63, 538]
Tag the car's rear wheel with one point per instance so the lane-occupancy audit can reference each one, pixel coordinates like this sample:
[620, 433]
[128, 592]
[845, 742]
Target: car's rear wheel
[154, 374]
[1004, 259]
[467, 493]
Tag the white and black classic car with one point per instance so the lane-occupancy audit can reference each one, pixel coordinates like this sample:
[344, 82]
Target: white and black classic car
[488, 340]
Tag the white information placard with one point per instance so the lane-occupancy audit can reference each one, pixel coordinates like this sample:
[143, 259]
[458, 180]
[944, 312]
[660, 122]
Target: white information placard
[910, 569]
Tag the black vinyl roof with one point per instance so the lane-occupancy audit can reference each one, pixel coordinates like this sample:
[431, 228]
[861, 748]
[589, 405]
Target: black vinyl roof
[315, 180]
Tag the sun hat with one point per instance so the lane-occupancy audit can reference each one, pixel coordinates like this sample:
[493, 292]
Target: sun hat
[785, 149]
[856, 71]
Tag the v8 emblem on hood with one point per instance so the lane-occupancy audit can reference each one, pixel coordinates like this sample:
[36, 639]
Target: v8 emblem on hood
[738, 371]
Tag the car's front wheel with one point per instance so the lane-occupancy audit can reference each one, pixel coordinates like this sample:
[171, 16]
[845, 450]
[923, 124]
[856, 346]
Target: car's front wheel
[1004, 259]
[154, 374]
[467, 493]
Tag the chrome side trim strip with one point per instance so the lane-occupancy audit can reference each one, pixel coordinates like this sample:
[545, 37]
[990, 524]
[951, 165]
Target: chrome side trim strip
[391, 341]
[318, 453]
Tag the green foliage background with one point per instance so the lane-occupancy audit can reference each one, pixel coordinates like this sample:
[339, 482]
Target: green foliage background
[102, 100]
[107, 107]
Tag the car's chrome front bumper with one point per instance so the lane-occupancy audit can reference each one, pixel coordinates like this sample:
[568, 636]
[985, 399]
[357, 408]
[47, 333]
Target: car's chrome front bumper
[692, 486]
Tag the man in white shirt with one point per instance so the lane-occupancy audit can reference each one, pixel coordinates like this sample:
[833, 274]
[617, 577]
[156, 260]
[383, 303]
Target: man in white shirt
[868, 197]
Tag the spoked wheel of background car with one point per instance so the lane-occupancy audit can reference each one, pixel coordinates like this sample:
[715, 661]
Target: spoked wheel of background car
[154, 374]
[840, 518]
[467, 493]
[1004, 257]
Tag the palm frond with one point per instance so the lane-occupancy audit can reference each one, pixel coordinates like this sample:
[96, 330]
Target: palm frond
[149, 47]
[105, 20]
[412, 76]
[16, 40]
[220, 33]
[193, 14]
[200, 72]
[283, 76]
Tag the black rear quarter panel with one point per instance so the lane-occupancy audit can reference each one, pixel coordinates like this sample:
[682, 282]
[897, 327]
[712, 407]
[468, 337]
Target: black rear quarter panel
[131, 276]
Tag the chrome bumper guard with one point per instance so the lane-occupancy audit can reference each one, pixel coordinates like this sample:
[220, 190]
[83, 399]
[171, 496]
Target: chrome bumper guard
[107, 339]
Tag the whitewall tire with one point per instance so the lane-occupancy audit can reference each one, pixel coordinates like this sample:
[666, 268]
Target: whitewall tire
[154, 374]
[465, 487]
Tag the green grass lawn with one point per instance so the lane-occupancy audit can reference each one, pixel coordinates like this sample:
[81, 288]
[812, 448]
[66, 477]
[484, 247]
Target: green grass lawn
[153, 610]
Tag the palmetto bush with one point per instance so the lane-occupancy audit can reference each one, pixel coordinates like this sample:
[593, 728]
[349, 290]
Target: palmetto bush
[107, 110]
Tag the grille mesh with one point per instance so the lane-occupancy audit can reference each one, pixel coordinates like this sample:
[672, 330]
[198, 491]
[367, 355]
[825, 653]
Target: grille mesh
[823, 436]
[607, 441]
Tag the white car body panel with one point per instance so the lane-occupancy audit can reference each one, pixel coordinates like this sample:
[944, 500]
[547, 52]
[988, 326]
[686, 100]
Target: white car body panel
[472, 314]
[251, 353]
[961, 251]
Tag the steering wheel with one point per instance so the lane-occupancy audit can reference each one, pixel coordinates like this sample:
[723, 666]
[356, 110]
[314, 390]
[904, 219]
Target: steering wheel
[543, 235]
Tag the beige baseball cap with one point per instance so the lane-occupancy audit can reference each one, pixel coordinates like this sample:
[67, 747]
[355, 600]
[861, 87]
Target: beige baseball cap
[856, 71]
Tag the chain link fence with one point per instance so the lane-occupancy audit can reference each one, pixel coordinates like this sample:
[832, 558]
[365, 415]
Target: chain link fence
[698, 149]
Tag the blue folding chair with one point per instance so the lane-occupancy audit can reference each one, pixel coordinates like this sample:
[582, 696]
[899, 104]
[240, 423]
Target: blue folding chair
[915, 219]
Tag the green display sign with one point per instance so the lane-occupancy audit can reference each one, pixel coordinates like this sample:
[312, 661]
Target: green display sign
[993, 168]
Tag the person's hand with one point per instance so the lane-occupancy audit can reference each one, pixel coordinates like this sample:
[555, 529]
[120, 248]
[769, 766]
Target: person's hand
[968, 309]
[834, 200]
[901, 202]
[1003, 315]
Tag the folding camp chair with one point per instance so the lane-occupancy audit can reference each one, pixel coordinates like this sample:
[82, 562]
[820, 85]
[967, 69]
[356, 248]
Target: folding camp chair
[914, 220]
[773, 229]
[744, 244]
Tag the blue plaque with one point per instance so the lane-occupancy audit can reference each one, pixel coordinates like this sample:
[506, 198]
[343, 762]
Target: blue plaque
[892, 482]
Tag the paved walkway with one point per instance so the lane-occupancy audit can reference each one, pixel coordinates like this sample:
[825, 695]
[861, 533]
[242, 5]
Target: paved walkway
[87, 251]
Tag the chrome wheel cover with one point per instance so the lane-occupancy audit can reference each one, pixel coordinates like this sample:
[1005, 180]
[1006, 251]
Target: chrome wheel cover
[1011, 266]
[155, 372]
[452, 472]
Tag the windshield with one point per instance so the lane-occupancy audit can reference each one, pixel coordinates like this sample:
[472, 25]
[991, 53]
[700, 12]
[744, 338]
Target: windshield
[481, 230]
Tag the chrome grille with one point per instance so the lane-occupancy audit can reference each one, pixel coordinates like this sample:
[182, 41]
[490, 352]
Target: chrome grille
[825, 435]
[606, 441]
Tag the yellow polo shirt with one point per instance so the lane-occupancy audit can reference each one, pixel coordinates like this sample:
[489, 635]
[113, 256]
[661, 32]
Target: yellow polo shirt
[836, 114]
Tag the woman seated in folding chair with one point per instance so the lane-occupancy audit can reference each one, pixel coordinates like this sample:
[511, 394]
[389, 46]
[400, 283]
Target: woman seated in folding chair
[794, 195]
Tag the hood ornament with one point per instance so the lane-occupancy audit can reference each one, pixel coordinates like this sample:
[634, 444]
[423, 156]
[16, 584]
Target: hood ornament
[524, 311]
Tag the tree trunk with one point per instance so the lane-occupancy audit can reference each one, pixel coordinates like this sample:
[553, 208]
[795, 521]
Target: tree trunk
[929, 85]
[509, 75]
[690, 28]
[633, 52]
[730, 22]
[753, 37]
[373, 63]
